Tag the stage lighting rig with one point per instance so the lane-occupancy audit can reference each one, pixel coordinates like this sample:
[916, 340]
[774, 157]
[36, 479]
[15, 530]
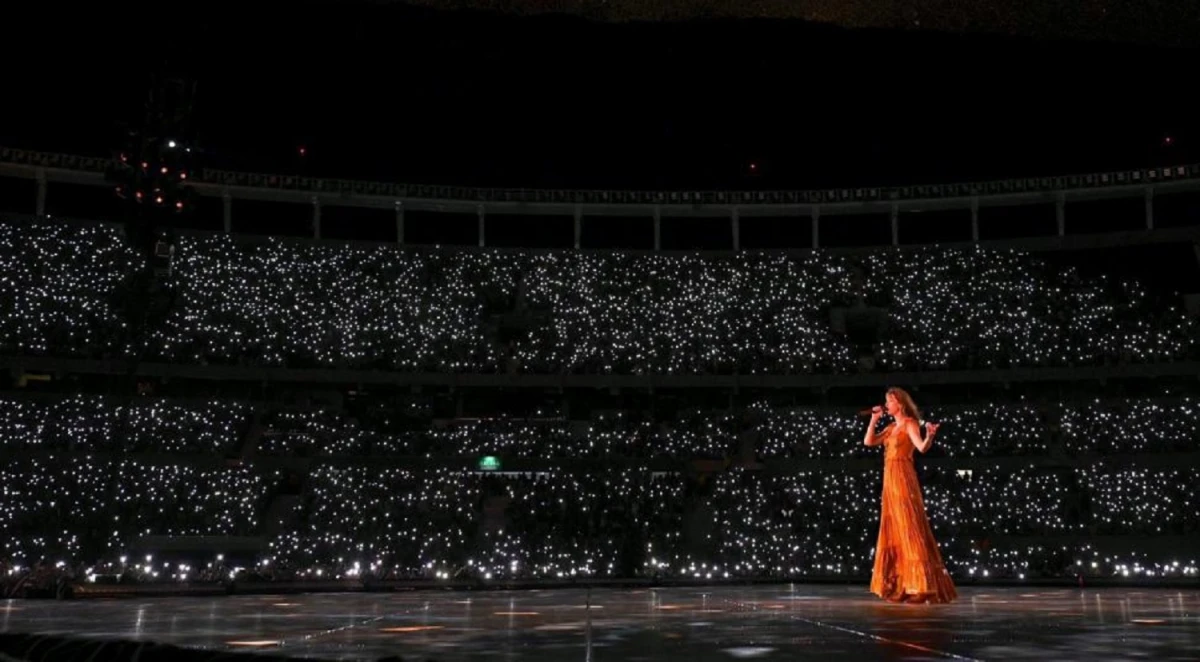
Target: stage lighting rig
[150, 173]
[152, 165]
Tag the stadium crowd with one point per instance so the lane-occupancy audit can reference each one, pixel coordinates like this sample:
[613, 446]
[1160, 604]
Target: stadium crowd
[165, 425]
[294, 303]
[76, 504]
[88, 476]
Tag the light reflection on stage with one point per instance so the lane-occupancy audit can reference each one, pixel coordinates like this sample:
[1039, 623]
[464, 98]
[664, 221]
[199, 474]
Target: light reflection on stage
[782, 622]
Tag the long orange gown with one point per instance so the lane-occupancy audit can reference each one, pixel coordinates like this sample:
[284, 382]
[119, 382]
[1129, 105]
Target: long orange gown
[908, 565]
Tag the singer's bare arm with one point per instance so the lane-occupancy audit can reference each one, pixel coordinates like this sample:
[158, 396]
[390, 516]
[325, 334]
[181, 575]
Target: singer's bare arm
[872, 439]
[914, 435]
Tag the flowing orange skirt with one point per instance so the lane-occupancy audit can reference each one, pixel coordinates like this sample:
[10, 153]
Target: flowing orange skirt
[908, 565]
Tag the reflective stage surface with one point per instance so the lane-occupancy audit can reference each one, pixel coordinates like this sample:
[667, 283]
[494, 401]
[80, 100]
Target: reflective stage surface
[718, 623]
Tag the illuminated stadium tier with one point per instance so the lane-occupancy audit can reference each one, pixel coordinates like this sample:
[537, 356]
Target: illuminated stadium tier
[299, 304]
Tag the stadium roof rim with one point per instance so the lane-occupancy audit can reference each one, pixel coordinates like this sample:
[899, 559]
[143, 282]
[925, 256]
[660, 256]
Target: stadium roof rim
[1119, 183]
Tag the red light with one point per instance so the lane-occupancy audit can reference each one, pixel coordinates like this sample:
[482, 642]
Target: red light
[124, 158]
[183, 175]
[303, 150]
[179, 205]
[145, 165]
[138, 195]
[1168, 140]
[158, 200]
[164, 170]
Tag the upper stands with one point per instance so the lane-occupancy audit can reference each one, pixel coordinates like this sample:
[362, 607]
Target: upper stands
[302, 304]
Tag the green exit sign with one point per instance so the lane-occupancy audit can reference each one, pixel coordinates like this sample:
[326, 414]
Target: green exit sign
[489, 463]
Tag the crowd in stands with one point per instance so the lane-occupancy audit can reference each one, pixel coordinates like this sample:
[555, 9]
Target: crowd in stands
[70, 506]
[219, 427]
[446, 523]
[296, 303]
[997, 309]
[366, 519]
[99, 423]
[62, 287]
[109, 471]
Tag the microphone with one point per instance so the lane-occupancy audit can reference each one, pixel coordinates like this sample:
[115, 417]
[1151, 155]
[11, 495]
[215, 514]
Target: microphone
[870, 412]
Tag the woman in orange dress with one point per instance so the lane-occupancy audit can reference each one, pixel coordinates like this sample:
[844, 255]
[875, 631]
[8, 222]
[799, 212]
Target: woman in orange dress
[908, 565]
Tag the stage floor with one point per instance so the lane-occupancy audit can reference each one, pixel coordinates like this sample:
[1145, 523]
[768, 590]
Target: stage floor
[782, 622]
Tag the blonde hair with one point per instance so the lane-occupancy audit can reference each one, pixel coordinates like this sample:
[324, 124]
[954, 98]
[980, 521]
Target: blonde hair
[906, 402]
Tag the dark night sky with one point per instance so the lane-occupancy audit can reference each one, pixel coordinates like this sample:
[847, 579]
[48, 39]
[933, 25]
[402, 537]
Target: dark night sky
[388, 91]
